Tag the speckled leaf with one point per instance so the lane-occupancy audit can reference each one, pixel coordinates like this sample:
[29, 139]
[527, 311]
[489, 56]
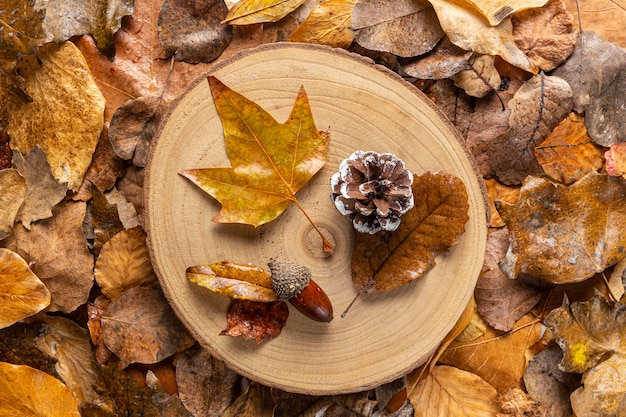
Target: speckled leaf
[605, 117]
[13, 187]
[20, 28]
[387, 260]
[246, 12]
[604, 390]
[330, 23]
[254, 320]
[234, 283]
[567, 233]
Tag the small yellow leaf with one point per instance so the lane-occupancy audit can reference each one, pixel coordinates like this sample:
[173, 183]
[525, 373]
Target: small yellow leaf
[328, 24]
[205, 276]
[22, 294]
[247, 12]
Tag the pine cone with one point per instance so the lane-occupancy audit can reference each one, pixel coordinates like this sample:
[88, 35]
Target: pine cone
[373, 189]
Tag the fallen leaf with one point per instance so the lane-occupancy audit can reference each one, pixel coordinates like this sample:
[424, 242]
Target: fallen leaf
[208, 392]
[191, 30]
[254, 320]
[471, 32]
[604, 390]
[546, 34]
[616, 160]
[123, 263]
[384, 261]
[271, 161]
[43, 191]
[125, 210]
[95, 310]
[247, 12]
[516, 403]
[329, 23]
[66, 269]
[498, 191]
[139, 326]
[28, 392]
[100, 19]
[548, 384]
[479, 78]
[591, 68]
[606, 115]
[66, 116]
[21, 292]
[457, 106]
[448, 391]
[501, 300]
[566, 234]
[496, 11]
[20, 28]
[234, 285]
[17, 346]
[405, 28]
[536, 108]
[131, 186]
[13, 187]
[443, 61]
[249, 403]
[567, 154]
[5, 149]
[605, 17]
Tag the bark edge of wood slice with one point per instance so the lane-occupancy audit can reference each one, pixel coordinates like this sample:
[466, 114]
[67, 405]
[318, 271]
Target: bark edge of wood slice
[366, 107]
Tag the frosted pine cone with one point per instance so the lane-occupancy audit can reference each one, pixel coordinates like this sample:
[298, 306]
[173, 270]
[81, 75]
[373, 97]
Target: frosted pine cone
[373, 189]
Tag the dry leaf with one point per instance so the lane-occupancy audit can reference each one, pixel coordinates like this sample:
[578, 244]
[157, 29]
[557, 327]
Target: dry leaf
[124, 262]
[498, 191]
[448, 391]
[208, 392]
[329, 23]
[5, 148]
[566, 234]
[457, 106]
[604, 390]
[125, 210]
[616, 160]
[405, 28]
[445, 60]
[537, 108]
[384, 261]
[20, 28]
[17, 346]
[22, 294]
[497, 10]
[28, 392]
[13, 187]
[516, 403]
[105, 220]
[247, 12]
[605, 17]
[191, 30]
[95, 310]
[271, 161]
[249, 403]
[235, 284]
[254, 320]
[66, 269]
[479, 77]
[471, 32]
[131, 187]
[501, 300]
[567, 154]
[66, 116]
[605, 117]
[100, 19]
[547, 35]
[139, 326]
[43, 191]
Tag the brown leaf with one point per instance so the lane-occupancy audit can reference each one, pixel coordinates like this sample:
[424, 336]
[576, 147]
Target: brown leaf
[95, 310]
[28, 392]
[100, 19]
[537, 108]
[445, 60]
[105, 220]
[498, 191]
[546, 35]
[208, 392]
[329, 23]
[66, 269]
[496, 11]
[239, 284]
[516, 403]
[5, 149]
[191, 30]
[22, 294]
[616, 160]
[604, 390]
[139, 326]
[254, 320]
[250, 403]
[124, 263]
[17, 346]
[605, 17]
[605, 117]
[13, 187]
[454, 103]
[20, 28]
[501, 300]
[567, 154]
[385, 261]
[479, 78]
[131, 186]
[247, 12]
[566, 234]
[405, 28]
[43, 191]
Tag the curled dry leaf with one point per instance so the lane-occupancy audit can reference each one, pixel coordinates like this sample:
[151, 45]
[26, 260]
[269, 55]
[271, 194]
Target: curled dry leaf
[25, 391]
[445, 60]
[479, 77]
[251, 284]
[471, 32]
[124, 262]
[405, 28]
[387, 260]
[13, 187]
[329, 23]
[566, 234]
[139, 326]
[191, 31]
[95, 311]
[66, 115]
[22, 294]
[536, 108]
[254, 320]
[247, 12]
[516, 403]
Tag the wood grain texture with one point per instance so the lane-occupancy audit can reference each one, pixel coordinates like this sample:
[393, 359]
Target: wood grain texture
[366, 107]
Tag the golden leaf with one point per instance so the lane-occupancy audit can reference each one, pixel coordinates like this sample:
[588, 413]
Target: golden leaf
[13, 187]
[497, 10]
[247, 12]
[327, 24]
[235, 282]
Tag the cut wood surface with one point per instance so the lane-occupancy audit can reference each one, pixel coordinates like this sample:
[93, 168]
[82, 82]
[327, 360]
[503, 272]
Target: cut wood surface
[365, 107]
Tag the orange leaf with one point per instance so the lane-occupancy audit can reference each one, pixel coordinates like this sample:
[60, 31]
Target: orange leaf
[387, 260]
[255, 320]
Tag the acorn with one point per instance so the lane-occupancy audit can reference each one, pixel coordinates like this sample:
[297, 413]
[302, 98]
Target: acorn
[293, 283]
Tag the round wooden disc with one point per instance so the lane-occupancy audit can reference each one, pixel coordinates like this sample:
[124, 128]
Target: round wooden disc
[365, 107]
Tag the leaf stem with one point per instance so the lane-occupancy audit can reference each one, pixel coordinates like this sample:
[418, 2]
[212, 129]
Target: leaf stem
[327, 246]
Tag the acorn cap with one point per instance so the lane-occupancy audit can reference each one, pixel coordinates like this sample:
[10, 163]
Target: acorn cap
[288, 279]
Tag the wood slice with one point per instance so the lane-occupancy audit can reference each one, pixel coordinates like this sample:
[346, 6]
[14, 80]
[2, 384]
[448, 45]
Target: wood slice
[365, 107]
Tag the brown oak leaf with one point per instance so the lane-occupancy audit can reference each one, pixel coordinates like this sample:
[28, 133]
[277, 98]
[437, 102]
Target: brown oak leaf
[255, 320]
[387, 260]
[566, 233]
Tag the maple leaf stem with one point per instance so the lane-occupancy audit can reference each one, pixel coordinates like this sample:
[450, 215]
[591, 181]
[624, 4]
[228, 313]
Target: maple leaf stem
[327, 246]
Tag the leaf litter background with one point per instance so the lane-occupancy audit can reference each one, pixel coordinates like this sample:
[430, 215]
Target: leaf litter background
[536, 89]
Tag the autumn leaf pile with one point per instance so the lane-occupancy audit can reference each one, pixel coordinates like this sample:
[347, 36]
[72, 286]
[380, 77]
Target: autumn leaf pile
[537, 90]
